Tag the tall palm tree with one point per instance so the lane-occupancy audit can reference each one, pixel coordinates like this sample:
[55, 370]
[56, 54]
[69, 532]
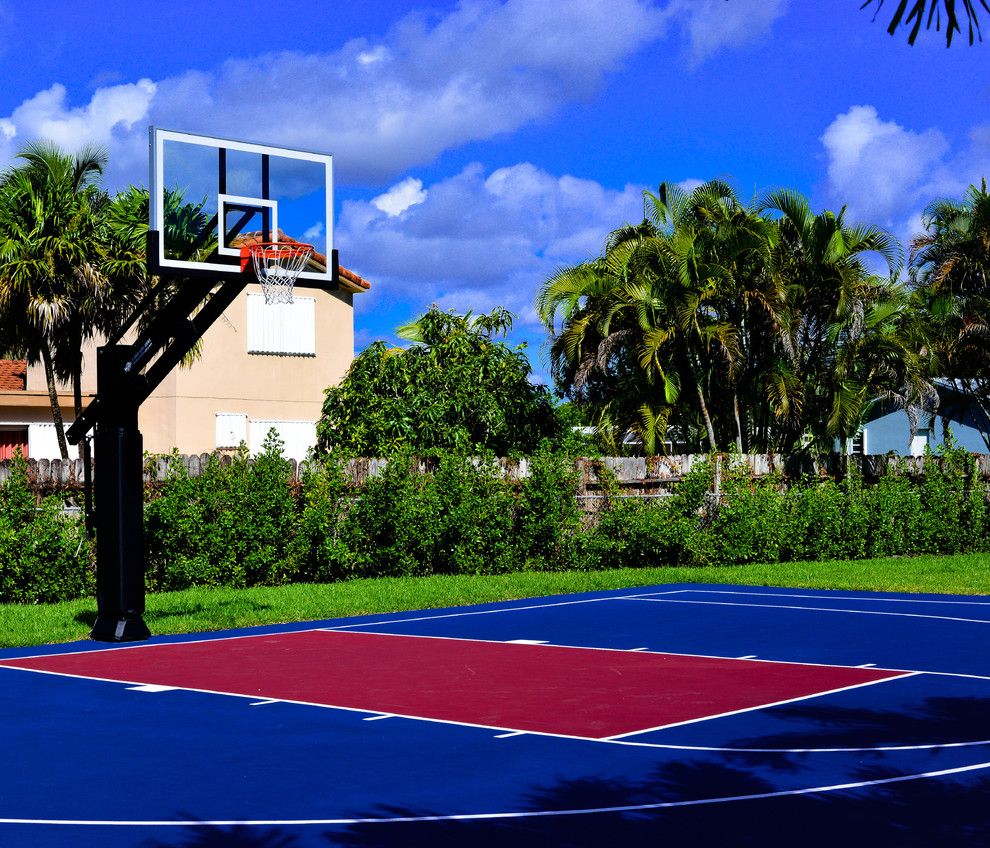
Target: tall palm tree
[950, 267]
[835, 305]
[50, 223]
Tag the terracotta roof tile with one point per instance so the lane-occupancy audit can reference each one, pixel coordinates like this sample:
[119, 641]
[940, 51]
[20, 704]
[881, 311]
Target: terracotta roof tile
[348, 279]
[13, 375]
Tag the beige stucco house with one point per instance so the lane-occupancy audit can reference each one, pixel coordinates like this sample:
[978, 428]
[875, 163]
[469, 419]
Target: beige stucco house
[261, 367]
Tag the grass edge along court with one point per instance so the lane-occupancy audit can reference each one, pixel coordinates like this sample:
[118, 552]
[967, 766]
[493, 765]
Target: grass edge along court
[204, 609]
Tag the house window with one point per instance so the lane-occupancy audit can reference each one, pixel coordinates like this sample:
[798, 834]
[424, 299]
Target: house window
[231, 429]
[281, 328]
[919, 441]
[298, 437]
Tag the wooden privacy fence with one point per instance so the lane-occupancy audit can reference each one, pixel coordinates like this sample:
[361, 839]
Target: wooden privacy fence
[635, 476]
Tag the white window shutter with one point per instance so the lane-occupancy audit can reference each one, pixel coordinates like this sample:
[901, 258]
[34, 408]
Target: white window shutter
[285, 328]
[231, 429]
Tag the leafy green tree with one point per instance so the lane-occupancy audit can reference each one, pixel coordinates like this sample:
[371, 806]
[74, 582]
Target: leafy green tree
[455, 388]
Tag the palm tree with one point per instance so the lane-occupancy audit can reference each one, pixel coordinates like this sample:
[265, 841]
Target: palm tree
[930, 12]
[950, 267]
[644, 319]
[50, 249]
[834, 307]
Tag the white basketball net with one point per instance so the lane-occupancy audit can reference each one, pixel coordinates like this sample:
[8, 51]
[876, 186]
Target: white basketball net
[277, 265]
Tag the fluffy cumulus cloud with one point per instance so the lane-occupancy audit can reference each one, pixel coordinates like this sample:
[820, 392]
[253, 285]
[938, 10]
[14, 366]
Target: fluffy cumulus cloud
[886, 173]
[400, 197]
[115, 117]
[383, 107]
[479, 239]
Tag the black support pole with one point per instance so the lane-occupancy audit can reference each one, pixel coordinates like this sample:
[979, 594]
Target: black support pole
[120, 503]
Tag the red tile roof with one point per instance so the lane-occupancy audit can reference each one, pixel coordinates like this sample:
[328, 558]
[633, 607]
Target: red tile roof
[13, 375]
[349, 281]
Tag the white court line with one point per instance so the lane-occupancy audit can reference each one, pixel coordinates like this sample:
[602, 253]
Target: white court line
[722, 749]
[648, 600]
[597, 740]
[264, 703]
[620, 736]
[137, 646]
[378, 717]
[149, 645]
[152, 687]
[527, 642]
[830, 597]
[622, 808]
[470, 612]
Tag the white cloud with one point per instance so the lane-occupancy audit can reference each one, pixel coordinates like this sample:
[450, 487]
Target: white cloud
[115, 117]
[314, 232]
[711, 25]
[381, 106]
[384, 106]
[400, 197]
[690, 184]
[886, 173]
[481, 239]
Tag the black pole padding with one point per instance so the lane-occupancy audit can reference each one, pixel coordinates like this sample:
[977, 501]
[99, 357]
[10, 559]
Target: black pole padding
[120, 503]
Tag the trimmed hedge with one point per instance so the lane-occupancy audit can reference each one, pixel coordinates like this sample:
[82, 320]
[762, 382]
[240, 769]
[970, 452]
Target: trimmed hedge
[245, 522]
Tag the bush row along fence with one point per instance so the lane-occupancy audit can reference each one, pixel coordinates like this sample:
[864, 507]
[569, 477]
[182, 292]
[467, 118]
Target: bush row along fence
[240, 522]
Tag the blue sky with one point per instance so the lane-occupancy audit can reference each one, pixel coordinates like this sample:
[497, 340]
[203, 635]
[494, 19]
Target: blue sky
[481, 145]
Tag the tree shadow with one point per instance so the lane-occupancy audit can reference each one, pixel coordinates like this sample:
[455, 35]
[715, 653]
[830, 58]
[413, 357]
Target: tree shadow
[238, 836]
[88, 617]
[911, 813]
[937, 721]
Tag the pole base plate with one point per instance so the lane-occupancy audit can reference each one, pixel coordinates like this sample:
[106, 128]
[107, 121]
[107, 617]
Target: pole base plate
[131, 629]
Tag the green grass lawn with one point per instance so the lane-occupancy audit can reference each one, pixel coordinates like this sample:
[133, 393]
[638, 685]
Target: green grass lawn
[215, 609]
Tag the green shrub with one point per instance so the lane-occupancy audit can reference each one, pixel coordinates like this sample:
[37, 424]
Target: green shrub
[476, 517]
[44, 553]
[822, 520]
[746, 527]
[894, 507]
[548, 516]
[233, 525]
[319, 553]
[636, 533]
[393, 527]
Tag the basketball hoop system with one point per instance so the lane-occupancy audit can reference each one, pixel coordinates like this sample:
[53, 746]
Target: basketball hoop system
[277, 265]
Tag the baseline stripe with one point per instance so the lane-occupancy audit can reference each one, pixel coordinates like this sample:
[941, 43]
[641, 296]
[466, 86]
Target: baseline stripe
[650, 600]
[877, 599]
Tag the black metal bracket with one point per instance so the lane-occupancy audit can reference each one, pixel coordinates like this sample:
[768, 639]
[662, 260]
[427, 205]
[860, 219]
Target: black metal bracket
[126, 374]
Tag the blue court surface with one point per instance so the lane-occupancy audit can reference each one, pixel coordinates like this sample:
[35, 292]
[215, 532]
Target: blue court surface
[668, 715]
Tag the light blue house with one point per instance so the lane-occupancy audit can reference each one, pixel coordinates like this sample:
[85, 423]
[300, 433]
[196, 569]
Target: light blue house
[888, 429]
